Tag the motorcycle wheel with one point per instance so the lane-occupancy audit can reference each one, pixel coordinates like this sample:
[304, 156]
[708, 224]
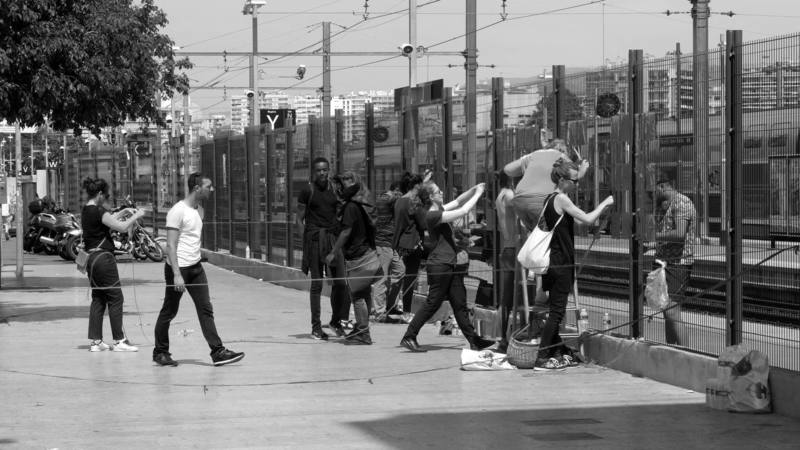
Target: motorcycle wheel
[28, 240]
[151, 248]
[69, 250]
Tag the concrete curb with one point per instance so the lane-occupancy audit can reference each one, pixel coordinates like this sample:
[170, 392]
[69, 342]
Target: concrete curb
[681, 368]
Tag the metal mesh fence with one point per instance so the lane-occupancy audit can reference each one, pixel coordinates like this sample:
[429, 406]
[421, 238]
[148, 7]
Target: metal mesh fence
[678, 138]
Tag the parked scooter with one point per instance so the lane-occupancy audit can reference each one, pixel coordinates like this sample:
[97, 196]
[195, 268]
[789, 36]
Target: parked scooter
[55, 232]
[137, 242]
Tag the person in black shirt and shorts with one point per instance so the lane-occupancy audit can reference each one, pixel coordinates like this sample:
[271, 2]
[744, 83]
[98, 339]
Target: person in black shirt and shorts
[101, 267]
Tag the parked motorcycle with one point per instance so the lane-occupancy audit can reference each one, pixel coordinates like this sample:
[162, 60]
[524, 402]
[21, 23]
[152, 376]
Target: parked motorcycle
[137, 242]
[55, 232]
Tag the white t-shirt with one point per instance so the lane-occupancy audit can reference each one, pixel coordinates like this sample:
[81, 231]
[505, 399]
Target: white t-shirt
[538, 166]
[187, 221]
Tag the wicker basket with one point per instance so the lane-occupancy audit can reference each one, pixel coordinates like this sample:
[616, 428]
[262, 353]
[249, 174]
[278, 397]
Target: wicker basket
[520, 353]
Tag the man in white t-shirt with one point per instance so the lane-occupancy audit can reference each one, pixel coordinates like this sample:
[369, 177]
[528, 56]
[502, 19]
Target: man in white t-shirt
[184, 272]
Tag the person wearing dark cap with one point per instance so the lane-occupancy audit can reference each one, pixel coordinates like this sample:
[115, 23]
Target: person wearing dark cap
[674, 244]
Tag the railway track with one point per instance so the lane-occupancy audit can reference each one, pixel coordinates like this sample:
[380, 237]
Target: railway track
[773, 304]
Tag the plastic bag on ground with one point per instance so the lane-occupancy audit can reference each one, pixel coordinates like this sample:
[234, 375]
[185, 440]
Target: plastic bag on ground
[656, 291]
[746, 374]
[484, 360]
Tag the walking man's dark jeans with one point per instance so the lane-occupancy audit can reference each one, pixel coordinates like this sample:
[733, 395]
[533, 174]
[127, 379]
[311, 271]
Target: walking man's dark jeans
[197, 285]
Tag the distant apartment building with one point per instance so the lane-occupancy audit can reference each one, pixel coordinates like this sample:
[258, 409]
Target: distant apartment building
[353, 106]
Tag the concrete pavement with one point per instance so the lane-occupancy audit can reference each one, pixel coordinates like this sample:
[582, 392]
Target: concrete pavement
[294, 392]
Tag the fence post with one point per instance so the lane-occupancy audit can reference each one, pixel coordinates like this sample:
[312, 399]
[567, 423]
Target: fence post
[492, 154]
[269, 170]
[290, 194]
[733, 195]
[447, 131]
[635, 108]
[558, 103]
[339, 115]
[369, 144]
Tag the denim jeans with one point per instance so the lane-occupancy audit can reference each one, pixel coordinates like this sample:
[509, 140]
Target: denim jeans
[444, 284]
[197, 285]
[393, 270]
[678, 276]
[106, 292]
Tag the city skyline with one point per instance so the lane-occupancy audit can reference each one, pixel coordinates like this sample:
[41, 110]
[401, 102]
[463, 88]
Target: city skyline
[598, 31]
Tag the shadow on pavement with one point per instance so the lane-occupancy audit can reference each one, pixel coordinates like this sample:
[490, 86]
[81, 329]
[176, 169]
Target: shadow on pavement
[653, 426]
[11, 312]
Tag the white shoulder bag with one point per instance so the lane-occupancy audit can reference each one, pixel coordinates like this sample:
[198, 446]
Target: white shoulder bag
[535, 253]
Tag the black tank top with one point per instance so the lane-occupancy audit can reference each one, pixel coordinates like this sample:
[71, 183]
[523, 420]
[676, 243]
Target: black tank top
[562, 245]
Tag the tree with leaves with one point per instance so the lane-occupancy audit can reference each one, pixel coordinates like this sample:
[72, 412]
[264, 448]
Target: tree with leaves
[573, 110]
[85, 63]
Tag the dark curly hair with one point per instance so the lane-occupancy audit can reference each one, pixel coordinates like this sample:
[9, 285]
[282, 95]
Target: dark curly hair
[94, 186]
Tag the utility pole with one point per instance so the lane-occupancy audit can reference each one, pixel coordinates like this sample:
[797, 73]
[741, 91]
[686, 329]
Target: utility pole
[251, 7]
[19, 211]
[700, 13]
[174, 151]
[412, 39]
[187, 142]
[470, 107]
[326, 89]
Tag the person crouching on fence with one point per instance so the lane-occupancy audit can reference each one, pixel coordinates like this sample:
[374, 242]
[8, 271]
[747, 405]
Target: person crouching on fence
[443, 282]
[674, 244]
[356, 242]
[101, 266]
[316, 218]
[559, 216]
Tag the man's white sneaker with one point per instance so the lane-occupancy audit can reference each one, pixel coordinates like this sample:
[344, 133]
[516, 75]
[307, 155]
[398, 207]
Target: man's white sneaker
[124, 346]
[98, 346]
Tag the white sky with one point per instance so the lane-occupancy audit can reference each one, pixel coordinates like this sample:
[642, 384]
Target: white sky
[518, 47]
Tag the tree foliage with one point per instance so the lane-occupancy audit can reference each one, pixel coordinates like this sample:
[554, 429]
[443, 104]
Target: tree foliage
[85, 63]
[572, 109]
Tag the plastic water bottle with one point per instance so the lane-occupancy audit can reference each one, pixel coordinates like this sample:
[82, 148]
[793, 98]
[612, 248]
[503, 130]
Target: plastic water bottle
[607, 320]
[583, 321]
[247, 252]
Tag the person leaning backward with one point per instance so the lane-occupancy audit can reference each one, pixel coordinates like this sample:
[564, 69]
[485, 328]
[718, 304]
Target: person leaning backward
[184, 272]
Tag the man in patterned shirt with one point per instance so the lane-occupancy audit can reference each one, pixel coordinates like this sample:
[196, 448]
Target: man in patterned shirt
[675, 246]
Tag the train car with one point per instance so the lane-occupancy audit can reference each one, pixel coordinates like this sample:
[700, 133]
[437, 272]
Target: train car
[769, 137]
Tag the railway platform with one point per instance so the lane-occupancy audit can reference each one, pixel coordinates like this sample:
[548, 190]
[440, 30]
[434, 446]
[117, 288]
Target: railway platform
[291, 391]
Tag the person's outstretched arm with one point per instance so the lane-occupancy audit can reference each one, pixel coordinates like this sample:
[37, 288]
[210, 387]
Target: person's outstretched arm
[453, 214]
[566, 205]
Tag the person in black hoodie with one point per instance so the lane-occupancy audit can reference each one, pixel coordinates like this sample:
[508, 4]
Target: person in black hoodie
[356, 240]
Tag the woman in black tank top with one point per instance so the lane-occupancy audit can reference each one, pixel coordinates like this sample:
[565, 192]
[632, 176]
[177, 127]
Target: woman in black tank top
[560, 276]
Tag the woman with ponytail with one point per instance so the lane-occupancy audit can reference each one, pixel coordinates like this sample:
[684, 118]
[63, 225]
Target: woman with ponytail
[101, 266]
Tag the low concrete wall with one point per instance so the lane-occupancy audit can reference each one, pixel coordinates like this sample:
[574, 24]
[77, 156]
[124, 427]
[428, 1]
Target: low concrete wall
[681, 368]
[273, 273]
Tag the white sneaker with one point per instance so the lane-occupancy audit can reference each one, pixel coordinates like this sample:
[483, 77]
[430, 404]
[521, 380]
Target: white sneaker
[123, 346]
[98, 346]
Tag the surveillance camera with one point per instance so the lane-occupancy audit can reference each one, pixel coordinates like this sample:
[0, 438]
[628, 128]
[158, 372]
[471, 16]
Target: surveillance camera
[249, 93]
[406, 48]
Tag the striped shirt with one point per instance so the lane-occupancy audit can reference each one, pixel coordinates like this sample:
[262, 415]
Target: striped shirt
[681, 208]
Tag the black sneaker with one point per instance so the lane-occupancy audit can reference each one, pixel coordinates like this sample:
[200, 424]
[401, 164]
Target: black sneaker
[337, 328]
[319, 335]
[358, 338]
[480, 343]
[164, 359]
[226, 356]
